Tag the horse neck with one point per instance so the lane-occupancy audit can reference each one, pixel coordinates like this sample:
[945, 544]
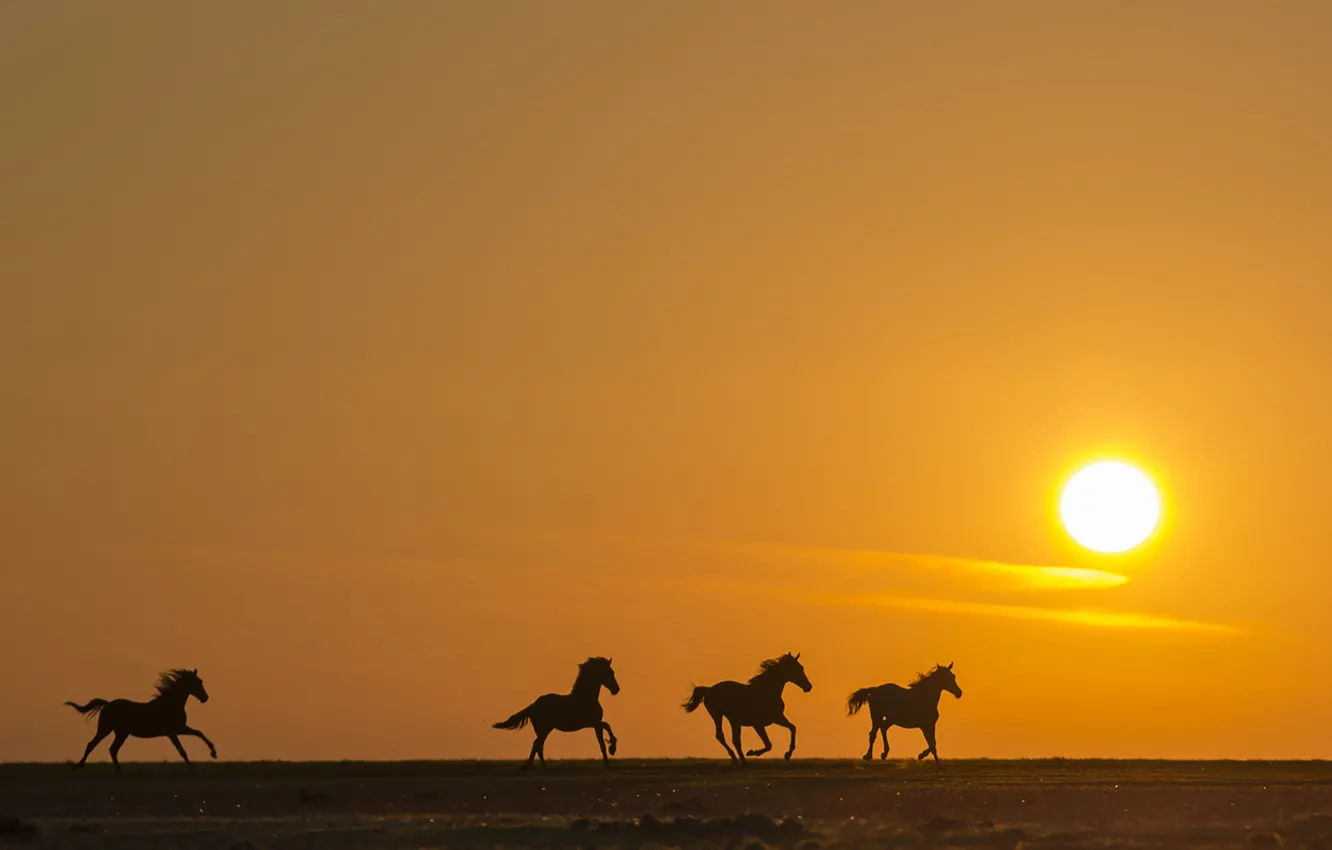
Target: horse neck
[175, 698]
[586, 688]
[930, 692]
[769, 684]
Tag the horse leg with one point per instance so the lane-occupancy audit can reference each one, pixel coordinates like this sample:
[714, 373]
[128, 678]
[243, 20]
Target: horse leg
[606, 726]
[601, 739]
[928, 731]
[721, 736]
[175, 742]
[536, 748]
[542, 735]
[212, 750]
[92, 745]
[735, 739]
[763, 736]
[115, 749]
[884, 730]
[782, 721]
[874, 730]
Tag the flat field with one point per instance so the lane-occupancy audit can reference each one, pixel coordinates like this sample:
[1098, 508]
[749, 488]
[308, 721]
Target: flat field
[804, 804]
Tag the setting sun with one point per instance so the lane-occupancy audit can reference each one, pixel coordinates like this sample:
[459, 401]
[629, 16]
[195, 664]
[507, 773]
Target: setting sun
[1110, 507]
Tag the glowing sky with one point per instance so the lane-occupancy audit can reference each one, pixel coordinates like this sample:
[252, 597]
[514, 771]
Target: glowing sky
[384, 361]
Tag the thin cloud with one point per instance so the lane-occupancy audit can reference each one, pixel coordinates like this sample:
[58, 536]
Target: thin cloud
[981, 574]
[869, 578]
[997, 573]
[1026, 576]
[1076, 616]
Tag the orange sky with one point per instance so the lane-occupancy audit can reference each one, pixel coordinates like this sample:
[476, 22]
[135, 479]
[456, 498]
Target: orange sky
[384, 361]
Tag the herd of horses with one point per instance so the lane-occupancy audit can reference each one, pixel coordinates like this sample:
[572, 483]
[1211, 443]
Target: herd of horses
[756, 704]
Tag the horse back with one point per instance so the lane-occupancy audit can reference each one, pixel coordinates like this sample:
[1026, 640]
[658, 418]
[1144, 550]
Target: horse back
[901, 706]
[143, 719]
[744, 703]
[885, 698]
[566, 712]
[725, 693]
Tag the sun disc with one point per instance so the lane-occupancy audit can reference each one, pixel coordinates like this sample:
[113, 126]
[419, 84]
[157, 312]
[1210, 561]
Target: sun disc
[1110, 507]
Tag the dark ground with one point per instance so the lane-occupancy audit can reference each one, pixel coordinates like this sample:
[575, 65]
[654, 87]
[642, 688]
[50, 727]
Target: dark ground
[811, 805]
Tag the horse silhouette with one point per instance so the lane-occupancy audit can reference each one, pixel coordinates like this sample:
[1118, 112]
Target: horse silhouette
[163, 715]
[757, 704]
[913, 707]
[578, 709]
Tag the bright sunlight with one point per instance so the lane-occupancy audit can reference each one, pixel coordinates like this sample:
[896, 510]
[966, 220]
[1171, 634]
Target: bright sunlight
[1110, 507]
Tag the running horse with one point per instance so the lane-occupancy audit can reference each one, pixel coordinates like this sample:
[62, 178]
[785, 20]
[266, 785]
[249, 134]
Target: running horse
[162, 716]
[913, 707]
[578, 709]
[757, 704]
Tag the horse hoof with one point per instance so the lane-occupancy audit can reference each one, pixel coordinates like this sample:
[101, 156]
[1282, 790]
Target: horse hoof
[788, 755]
[612, 748]
[867, 757]
[884, 756]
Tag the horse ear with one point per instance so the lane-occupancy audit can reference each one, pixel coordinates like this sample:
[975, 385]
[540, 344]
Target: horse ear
[950, 665]
[195, 671]
[797, 656]
[610, 661]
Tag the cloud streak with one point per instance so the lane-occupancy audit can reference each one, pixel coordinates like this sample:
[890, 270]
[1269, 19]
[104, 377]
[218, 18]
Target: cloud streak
[1027, 576]
[914, 578]
[941, 584]
[1076, 616]
[993, 574]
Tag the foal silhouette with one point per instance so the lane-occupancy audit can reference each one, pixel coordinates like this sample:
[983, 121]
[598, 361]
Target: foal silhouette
[578, 709]
[913, 707]
[757, 704]
[163, 715]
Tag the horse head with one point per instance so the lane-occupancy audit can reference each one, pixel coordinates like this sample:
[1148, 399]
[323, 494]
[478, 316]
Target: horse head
[599, 670]
[947, 681]
[196, 686]
[795, 672]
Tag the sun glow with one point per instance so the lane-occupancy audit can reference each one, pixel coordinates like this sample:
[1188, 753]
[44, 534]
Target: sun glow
[1110, 507]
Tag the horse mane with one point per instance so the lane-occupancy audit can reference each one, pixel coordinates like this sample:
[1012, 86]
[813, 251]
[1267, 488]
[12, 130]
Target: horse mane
[767, 667]
[922, 678]
[171, 679]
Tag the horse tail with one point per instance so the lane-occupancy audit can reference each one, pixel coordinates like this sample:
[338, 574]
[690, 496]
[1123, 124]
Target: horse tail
[857, 701]
[696, 698]
[517, 721]
[92, 709]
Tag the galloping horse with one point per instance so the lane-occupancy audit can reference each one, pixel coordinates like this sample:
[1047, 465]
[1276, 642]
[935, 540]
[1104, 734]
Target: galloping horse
[578, 709]
[163, 715]
[757, 704]
[912, 707]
